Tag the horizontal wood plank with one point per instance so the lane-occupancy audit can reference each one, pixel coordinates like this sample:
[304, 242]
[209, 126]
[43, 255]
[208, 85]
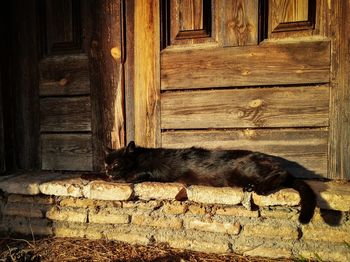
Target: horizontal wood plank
[307, 147]
[64, 75]
[66, 152]
[253, 107]
[65, 114]
[267, 64]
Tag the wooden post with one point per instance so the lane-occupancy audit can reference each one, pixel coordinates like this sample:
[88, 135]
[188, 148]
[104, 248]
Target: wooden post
[147, 73]
[339, 130]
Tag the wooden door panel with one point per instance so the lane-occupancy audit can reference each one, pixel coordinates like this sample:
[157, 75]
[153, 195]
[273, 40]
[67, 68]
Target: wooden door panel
[66, 152]
[240, 108]
[308, 147]
[64, 75]
[273, 64]
[240, 23]
[65, 114]
[61, 26]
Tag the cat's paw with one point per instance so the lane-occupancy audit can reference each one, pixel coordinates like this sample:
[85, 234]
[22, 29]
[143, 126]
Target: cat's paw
[249, 188]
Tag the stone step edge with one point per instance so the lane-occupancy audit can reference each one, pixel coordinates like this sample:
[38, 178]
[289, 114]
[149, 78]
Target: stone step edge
[333, 195]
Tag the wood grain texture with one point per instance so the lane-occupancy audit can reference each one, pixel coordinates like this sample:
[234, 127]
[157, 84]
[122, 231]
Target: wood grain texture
[107, 91]
[307, 147]
[270, 64]
[190, 14]
[284, 11]
[339, 137]
[254, 107]
[129, 73]
[240, 19]
[65, 114]
[66, 152]
[147, 72]
[189, 21]
[63, 70]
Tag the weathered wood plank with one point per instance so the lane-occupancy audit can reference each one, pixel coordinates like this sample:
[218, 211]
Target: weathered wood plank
[339, 135]
[268, 64]
[129, 72]
[190, 14]
[65, 114]
[66, 152]
[147, 72]
[307, 147]
[240, 19]
[253, 107]
[77, 83]
[64, 75]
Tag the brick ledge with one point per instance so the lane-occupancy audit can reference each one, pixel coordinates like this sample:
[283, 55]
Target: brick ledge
[334, 195]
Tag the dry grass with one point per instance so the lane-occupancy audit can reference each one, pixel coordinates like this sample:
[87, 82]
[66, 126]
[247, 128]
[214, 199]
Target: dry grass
[74, 249]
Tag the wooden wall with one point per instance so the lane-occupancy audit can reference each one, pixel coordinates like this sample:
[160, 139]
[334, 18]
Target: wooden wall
[20, 85]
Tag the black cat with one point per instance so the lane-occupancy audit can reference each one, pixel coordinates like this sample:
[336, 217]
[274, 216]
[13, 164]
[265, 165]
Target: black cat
[253, 171]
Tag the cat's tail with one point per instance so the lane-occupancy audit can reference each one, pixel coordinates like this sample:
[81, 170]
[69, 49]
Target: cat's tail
[307, 196]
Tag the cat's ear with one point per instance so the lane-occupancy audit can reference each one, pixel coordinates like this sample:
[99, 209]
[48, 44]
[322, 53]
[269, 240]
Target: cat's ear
[108, 150]
[131, 147]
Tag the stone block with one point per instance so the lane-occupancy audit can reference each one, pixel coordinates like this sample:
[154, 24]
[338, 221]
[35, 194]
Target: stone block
[326, 255]
[25, 183]
[32, 230]
[200, 246]
[236, 212]
[154, 221]
[332, 195]
[102, 190]
[22, 210]
[63, 186]
[28, 226]
[131, 238]
[326, 233]
[71, 215]
[69, 232]
[174, 208]
[269, 252]
[286, 214]
[271, 231]
[212, 226]
[162, 191]
[215, 195]
[107, 217]
[37, 199]
[196, 209]
[142, 205]
[283, 197]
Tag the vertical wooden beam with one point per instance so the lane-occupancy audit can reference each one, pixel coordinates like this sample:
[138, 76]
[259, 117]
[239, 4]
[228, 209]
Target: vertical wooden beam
[147, 73]
[129, 71]
[339, 131]
[107, 87]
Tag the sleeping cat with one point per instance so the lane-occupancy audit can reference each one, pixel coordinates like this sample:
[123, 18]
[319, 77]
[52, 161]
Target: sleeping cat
[253, 171]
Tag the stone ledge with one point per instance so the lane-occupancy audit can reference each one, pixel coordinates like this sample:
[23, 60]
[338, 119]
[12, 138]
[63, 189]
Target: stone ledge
[330, 195]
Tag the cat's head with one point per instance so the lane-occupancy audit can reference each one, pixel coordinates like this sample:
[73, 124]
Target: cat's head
[120, 162]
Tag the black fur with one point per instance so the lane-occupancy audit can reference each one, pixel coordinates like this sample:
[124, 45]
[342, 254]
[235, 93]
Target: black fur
[253, 171]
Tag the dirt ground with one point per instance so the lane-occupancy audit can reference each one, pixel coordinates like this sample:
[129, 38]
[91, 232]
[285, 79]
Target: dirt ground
[74, 249]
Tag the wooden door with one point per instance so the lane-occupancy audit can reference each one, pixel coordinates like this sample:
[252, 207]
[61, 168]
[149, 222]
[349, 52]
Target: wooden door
[243, 74]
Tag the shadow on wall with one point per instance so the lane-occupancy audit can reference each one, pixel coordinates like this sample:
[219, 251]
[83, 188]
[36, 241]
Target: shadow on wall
[329, 216]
